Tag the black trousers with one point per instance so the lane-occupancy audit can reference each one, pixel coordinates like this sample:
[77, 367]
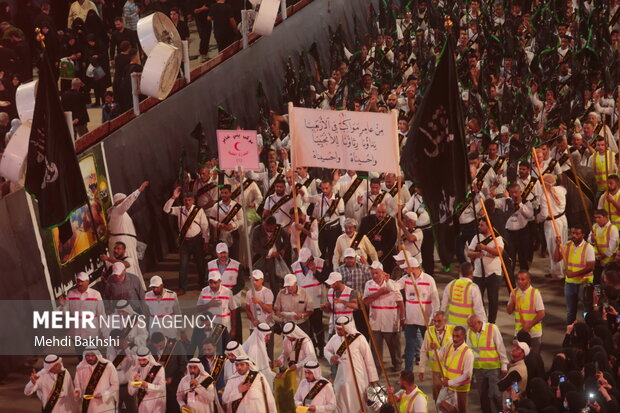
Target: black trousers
[192, 247]
[360, 324]
[327, 241]
[490, 284]
[317, 330]
[204, 28]
[520, 242]
[428, 251]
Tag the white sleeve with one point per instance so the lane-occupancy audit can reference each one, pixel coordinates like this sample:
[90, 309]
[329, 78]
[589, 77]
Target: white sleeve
[168, 209]
[501, 348]
[434, 295]
[128, 202]
[476, 297]
[299, 396]
[590, 256]
[613, 241]
[538, 301]
[159, 384]
[329, 405]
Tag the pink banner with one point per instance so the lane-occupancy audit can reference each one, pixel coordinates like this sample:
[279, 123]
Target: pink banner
[237, 148]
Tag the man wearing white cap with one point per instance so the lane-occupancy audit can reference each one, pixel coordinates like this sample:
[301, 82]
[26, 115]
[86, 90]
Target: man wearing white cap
[387, 313]
[259, 306]
[53, 386]
[427, 302]
[217, 301]
[355, 275]
[121, 228]
[161, 302]
[341, 301]
[197, 391]
[411, 235]
[310, 273]
[293, 303]
[248, 391]
[193, 226]
[354, 240]
[504, 140]
[314, 391]
[297, 349]
[95, 383]
[122, 285]
[362, 362]
[233, 277]
[255, 348]
[151, 392]
[82, 298]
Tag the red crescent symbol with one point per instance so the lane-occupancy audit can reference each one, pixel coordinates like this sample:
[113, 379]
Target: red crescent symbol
[235, 146]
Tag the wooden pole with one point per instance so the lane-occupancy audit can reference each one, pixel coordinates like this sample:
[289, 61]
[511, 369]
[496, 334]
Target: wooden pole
[294, 184]
[375, 347]
[581, 196]
[357, 388]
[555, 227]
[499, 251]
[415, 287]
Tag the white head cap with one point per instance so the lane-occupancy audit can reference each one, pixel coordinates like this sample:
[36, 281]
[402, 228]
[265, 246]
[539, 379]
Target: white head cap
[118, 197]
[376, 265]
[333, 277]
[304, 254]
[290, 280]
[411, 215]
[221, 247]
[349, 253]
[215, 276]
[118, 268]
[504, 129]
[156, 281]
[82, 276]
[258, 275]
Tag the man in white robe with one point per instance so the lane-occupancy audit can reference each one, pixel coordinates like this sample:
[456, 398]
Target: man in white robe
[248, 390]
[297, 349]
[95, 383]
[314, 391]
[233, 351]
[197, 391]
[53, 386]
[121, 228]
[149, 383]
[256, 349]
[362, 361]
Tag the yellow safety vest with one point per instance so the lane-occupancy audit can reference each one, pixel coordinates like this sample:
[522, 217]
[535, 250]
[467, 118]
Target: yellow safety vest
[526, 308]
[614, 213]
[454, 366]
[460, 304]
[406, 401]
[601, 241]
[603, 167]
[432, 337]
[487, 357]
[576, 258]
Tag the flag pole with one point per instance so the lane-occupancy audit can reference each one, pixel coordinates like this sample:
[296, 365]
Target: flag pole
[555, 226]
[245, 223]
[499, 251]
[357, 388]
[581, 196]
[294, 183]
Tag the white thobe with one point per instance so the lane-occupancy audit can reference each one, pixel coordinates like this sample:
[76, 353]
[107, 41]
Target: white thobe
[44, 387]
[107, 387]
[258, 398]
[155, 399]
[324, 401]
[121, 228]
[200, 400]
[365, 371]
[306, 354]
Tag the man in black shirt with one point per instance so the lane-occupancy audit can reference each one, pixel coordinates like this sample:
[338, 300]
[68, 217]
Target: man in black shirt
[75, 101]
[125, 99]
[119, 35]
[203, 25]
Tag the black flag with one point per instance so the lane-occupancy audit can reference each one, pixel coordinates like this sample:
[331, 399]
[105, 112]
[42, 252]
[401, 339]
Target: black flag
[435, 157]
[53, 176]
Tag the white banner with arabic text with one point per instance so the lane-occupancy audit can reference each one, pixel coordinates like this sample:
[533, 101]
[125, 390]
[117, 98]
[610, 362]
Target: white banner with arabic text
[359, 141]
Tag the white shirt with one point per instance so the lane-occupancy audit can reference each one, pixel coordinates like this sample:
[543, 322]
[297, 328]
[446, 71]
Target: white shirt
[119, 221]
[44, 387]
[321, 207]
[519, 218]
[200, 224]
[282, 215]
[266, 296]
[492, 264]
[311, 241]
[161, 306]
[308, 281]
[557, 207]
[429, 298]
[220, 303]
[218, 213]
[416, 204]
[497, 340]
[384, 310]
[414, 248]
[89, 300]
[254, 400]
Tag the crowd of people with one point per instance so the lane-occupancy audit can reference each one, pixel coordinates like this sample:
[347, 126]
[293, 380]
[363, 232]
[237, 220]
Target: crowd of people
[537, 77]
